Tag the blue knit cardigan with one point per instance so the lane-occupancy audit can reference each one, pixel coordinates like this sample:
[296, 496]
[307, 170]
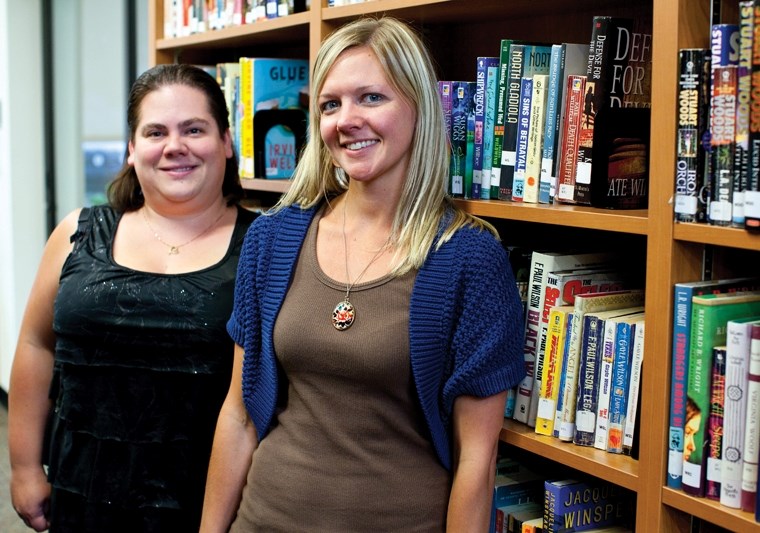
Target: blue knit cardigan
[465, 320]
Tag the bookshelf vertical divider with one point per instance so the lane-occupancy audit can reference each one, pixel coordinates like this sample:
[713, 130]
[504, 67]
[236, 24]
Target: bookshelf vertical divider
[671, 255]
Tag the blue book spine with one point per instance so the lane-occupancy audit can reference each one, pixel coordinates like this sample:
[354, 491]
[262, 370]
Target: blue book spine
[619, 392]
[585, 412]
[556, 69]
[492, 81]
[461, 107]
[521, 146]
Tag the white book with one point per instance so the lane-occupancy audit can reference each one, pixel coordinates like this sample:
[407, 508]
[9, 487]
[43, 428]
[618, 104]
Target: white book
[633, 389]
[605, 382]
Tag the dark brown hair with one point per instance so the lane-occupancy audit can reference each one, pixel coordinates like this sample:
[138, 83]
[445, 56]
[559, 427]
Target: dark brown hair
[124, 192]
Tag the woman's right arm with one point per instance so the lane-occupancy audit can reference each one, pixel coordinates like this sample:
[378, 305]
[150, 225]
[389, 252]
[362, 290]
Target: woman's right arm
[32, 370]
[234, 442]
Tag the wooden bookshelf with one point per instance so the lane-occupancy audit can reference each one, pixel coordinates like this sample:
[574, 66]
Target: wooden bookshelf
[459, 31]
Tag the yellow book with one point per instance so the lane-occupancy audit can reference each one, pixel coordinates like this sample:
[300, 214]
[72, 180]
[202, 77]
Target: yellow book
[246, 118]
[551, 371]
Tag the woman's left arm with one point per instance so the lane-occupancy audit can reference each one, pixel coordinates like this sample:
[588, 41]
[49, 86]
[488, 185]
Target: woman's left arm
[477, 423]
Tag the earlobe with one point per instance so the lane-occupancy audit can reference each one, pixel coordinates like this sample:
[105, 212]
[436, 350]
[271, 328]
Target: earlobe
[130, 153]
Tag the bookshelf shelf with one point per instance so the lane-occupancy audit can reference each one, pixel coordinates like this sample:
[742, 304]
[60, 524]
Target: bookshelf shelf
[718, 236]
[634, 221]
[279, 186]
[458, 32]
[712, 511]
[619, 469]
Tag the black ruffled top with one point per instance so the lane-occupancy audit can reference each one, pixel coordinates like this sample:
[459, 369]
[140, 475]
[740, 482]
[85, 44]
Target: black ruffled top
[142, 365]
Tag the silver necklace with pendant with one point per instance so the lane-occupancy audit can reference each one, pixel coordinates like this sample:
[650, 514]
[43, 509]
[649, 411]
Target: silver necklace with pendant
[344, 314]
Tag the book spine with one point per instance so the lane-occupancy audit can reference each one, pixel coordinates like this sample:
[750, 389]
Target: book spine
[605, 383]
[246, 118]
[501, 110]
[634, 389]
[561, 391]
[535, 138]
[511, 120]
[481, 72]
[521, 146]
[580, 506]
[549, 147]
[492, 80]
[752, 426]
[722, 143]
[752, 192]
[743, 91]
[619, 390]
[585, 413]
[547, 399]
[715, 424]
[574, 94]
[461, 94]
[444, 92]
[693, 83]
[735, 412]
[698, 393]
[678, 379]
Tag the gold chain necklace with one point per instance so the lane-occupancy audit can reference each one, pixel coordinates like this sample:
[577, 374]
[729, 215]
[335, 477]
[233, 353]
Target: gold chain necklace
[344, 313]
[174, 248]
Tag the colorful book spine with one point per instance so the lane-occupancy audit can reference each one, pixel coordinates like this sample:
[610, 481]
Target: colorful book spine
[511, 120]
[606, 365]
[521, 146]
[743, 91]
[535, 138]
[549, 147]
[574, 97]
[501, 111]
[555, 343]
[462, 108]
[693, 110]
[715, 424]
[722, 143]
[752, 192]
[444, 92]
[624, 334]
[710, 313]
[752, 426]
[481, 72]
[634, 389]
[492, 80]
[738, 333]
[563, 375]
[574, 505]
[585, 412]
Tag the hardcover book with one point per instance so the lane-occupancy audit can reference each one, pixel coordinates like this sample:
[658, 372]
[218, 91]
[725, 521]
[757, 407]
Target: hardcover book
[738, 336]
[682, 311]
[571, 126]
[630, 440]
[752, 191]
[492, 80]
[743, 91]
[535, 138]
[521, 146]
[555, 344]
[710, 313]
[612, 169]
[502, 103]
[715, 422]
[691, 127]
[480, 103]
[752, 423]
[462, 110]
[574, 505]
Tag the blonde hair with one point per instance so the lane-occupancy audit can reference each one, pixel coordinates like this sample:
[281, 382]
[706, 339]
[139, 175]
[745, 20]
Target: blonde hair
[424, 200]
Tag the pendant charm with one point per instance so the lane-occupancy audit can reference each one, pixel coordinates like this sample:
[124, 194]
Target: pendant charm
[173, 250]
[343, 315]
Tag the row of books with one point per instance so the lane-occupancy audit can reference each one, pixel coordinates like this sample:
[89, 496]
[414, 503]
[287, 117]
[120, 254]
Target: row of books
[524, 501]
[584, 350]
[566, 122]
[714, 432]
[268, 102]
[717, 175]
[188, 17]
